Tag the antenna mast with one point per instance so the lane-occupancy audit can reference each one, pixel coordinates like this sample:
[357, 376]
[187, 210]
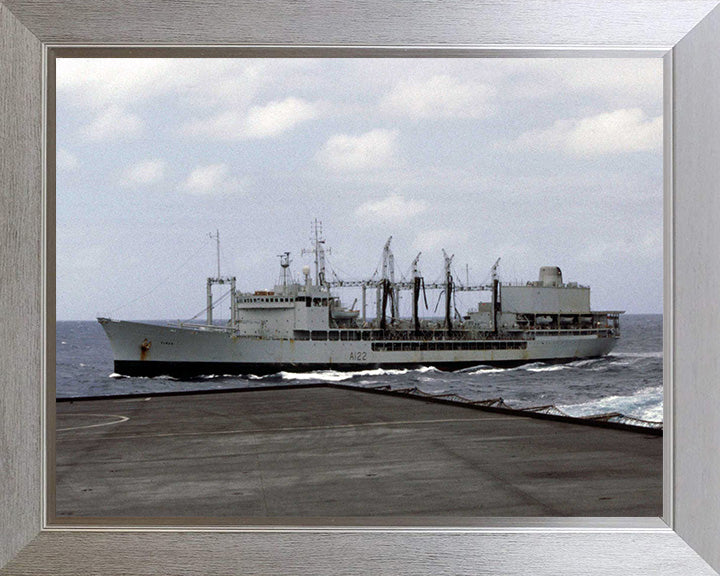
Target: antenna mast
[219, 280]
[448, 289]
[496, 306]
[216, 237]
[319, 251]
[416, 293]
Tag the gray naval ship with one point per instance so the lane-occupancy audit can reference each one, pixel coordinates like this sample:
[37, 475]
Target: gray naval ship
[302, 325]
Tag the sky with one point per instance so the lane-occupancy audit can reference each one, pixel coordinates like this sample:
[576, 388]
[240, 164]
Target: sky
[539, 162]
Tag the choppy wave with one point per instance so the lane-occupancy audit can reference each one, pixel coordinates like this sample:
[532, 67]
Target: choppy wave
[585, 363]
[548, 368]
[646, 404]
[477, 369]
[530, 367]
[636, 354]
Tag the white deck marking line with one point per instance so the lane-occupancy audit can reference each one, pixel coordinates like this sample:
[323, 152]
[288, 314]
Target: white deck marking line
[118, 421]
[310, 428]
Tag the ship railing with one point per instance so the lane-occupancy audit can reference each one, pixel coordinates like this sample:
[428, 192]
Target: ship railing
[443, 334]
[206, 327]
[358, 334]
[537, 284]
[432, 335]
[603, 332]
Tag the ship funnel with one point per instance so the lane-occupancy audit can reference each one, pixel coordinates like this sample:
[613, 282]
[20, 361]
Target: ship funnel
[550, 276]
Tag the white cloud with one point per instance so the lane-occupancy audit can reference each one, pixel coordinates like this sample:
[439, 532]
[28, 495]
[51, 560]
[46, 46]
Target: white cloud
[439, 96]
[258, 122]
[99, 82]
[433, 240]
[345, 153]
[277, 117]
[643, 245]
[65, 160]
[212, 179]
[227, 125]
[630, 77]
[202, 82]
[394, 209]
[113, 123]
[624, 130]
[624, 82]
[146, 172]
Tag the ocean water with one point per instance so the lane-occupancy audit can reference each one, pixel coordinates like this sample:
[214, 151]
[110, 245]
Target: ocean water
[628, 381]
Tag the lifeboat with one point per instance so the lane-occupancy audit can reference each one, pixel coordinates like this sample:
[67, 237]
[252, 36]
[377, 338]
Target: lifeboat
[344, 314]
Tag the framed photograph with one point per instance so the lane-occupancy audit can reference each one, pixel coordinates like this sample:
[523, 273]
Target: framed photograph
[692, 473]
[468, 176]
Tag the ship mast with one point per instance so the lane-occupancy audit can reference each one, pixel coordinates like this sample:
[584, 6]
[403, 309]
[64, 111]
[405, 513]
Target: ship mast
[416, 293]
[495, 294]
[217, 239]
[220, 280]
[388, 286]
[319, 251]
[448, 290]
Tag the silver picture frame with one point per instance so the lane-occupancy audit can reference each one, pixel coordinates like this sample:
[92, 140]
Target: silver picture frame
[685, 33]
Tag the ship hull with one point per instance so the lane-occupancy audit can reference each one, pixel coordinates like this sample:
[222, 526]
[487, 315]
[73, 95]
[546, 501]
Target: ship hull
[142, 349]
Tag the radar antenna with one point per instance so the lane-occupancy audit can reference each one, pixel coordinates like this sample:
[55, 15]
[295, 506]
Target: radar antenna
[285, 264]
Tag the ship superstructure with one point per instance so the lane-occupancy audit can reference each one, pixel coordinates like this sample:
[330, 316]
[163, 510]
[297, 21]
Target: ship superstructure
[301, 325]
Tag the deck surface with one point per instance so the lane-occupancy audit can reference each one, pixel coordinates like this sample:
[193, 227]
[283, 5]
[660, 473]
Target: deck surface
[330, 452]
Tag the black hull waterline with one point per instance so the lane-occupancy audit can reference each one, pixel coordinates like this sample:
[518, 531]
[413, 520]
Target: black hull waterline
[144, 368]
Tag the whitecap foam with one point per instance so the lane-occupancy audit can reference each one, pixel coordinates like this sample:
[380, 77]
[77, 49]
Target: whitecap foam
[547, 369]
[424, 369]
[585, 362]
[490, 370]
[473, 369]
[531, 366]
[160, 377]
[338, 376]
[117, 376]
[324, 375]
[645, 404]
